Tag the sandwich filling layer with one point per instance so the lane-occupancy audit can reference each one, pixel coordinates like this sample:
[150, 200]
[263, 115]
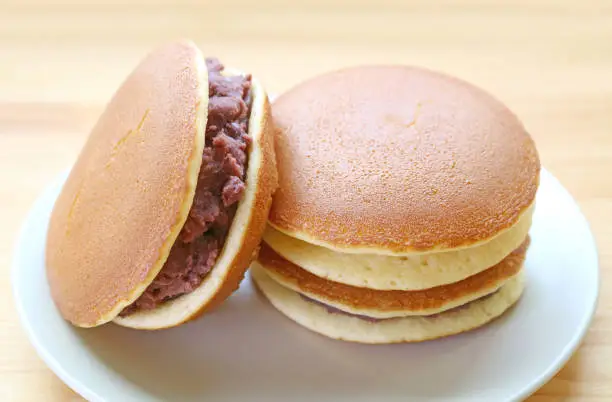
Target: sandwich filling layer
[335, 310]
[220, 186]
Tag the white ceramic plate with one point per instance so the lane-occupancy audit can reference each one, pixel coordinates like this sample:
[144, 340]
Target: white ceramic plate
[248, 351]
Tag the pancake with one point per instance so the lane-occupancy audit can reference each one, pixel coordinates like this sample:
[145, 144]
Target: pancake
[121, 192]
[390, 303]
[399, 160]
[411, 272]
[339, 326]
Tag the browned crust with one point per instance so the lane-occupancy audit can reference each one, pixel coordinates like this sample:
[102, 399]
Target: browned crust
[392, 300]
[267, 183]
[123, 205]
[398, 159]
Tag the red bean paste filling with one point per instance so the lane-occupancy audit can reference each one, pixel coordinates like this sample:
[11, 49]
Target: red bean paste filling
[220, 186]
[335, 310]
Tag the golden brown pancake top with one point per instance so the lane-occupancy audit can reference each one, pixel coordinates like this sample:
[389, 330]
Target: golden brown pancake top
[392, 300]
[395, 159]
[130, 190]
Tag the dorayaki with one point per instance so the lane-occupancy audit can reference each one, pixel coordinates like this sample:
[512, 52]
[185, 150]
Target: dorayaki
[164, 209]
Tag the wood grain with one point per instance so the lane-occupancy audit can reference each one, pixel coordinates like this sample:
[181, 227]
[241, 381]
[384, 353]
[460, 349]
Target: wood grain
[549, 60]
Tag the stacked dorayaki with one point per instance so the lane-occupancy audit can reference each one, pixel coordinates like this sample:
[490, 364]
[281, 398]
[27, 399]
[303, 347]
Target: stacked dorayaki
[404, 205]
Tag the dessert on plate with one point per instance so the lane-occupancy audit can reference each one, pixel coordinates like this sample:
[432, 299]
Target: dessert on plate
[165, 207]
[404, 206]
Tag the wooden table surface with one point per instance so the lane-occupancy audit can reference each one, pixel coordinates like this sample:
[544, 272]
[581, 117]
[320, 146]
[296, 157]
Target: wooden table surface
[549, 60]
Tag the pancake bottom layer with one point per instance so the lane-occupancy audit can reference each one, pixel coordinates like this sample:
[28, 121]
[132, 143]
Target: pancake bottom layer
[406, 329]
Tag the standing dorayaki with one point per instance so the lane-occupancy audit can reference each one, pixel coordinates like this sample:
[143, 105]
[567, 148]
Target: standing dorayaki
[165, 207]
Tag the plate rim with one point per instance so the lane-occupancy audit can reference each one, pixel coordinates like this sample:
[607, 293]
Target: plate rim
[47, 357]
